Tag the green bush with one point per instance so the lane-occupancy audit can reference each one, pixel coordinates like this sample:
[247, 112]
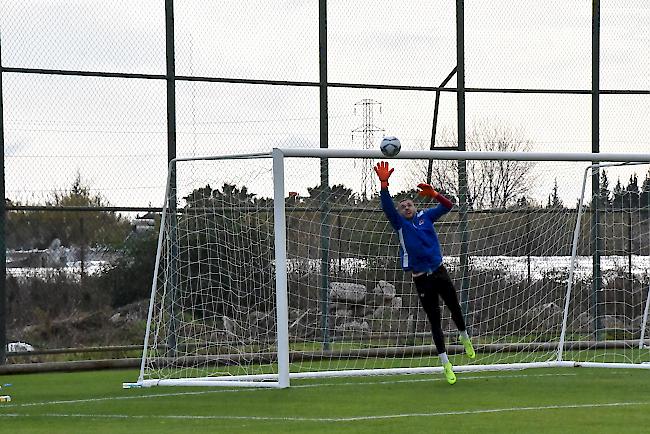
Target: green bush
[128, 279]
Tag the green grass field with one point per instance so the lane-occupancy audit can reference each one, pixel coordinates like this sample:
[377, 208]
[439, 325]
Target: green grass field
[533, 400]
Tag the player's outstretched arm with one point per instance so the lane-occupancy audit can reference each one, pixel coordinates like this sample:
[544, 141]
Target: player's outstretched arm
[444, 204]
[383, 172]
[427, 191]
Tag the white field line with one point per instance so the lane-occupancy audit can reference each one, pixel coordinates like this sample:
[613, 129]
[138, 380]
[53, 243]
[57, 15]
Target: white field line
[257, 389]
[337, 419]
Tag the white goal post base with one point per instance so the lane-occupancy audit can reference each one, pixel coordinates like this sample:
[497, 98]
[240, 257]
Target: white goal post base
[271, 380]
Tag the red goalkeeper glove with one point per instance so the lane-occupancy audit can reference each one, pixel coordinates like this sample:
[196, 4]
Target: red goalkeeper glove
[383, 173]
[428, 191]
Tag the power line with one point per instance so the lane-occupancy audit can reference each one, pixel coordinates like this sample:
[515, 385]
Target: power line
[367, 131]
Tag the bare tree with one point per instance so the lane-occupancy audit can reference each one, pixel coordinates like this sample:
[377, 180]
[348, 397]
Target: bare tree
[491, 183]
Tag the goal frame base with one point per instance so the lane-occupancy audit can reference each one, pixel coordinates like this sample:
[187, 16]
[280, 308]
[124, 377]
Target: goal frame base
[271, 380]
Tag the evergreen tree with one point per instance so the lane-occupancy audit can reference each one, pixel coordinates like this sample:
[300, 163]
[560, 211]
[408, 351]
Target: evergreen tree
[339, 194]
[631, 194]
[645, 191]
[617, 195]
[29, 230]
[554, 200]
[228, 233]
[525, 202]
[604, 193]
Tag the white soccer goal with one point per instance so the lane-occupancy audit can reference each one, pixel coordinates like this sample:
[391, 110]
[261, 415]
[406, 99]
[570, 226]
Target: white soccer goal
[262, 276]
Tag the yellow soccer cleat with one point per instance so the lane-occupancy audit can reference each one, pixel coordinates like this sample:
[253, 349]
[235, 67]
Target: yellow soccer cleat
[469, 349]
[449, 373]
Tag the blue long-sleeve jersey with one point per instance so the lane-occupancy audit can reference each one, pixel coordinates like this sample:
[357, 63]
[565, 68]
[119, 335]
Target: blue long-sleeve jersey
[419, 246]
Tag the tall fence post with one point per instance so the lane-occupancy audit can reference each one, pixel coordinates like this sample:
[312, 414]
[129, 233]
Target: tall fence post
[171, 154]
[82, 249]
[629, 248]
[324, 173]
[595, 179]
[3, 249]
[462, 164]
[528, 246]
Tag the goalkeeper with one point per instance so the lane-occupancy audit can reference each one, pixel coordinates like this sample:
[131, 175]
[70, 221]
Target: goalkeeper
[420, 254]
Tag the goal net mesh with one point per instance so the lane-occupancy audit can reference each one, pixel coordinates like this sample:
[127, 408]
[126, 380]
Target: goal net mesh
[351, 307]
[607, 309]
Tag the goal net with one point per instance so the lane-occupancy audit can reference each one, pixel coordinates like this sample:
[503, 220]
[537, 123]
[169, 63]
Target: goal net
[263, 274]
[609, 282]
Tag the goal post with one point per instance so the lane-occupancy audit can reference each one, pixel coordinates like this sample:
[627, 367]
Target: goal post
[237, 287]
[612, 311]
[282, 303]
[187, 247]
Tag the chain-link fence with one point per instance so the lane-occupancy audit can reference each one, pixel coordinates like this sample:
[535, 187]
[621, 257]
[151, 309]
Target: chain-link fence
[97, 98]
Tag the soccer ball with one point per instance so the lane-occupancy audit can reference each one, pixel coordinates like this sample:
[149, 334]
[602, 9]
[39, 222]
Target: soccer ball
[390, 146]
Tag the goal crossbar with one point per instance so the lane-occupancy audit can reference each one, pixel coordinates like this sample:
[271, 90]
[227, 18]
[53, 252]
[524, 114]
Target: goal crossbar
[468, 155]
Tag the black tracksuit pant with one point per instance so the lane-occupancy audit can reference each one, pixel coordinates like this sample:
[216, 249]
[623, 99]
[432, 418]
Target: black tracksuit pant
[429, 288]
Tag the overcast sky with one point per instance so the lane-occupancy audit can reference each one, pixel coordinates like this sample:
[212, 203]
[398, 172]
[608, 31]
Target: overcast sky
[113, 131]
